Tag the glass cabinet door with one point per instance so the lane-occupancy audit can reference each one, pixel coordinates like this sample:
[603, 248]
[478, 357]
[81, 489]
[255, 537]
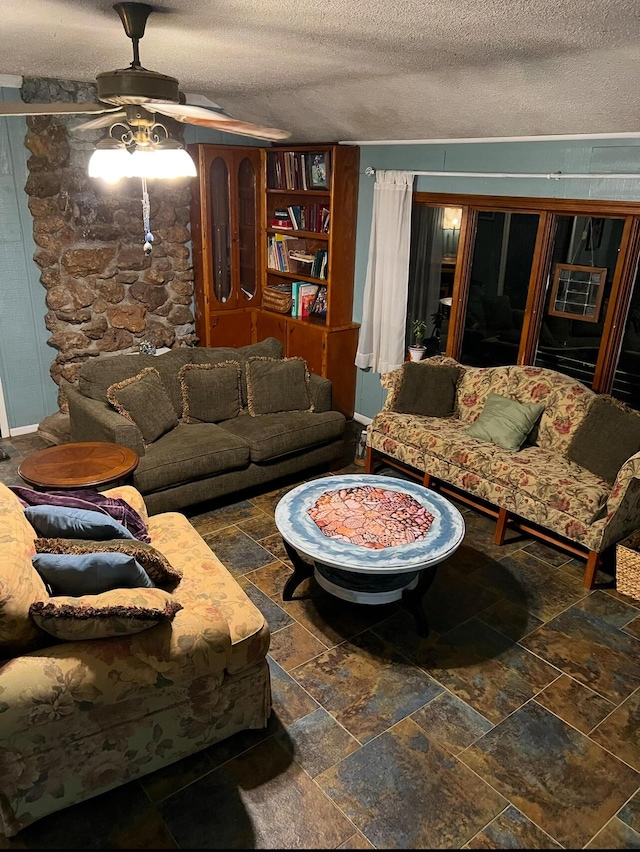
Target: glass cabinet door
[247, 230]
[220, 225]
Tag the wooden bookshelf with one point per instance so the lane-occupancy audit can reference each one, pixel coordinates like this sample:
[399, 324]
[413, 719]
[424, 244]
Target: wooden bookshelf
[328, 344]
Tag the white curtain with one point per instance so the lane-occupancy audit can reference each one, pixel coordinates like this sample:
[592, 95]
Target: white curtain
[381, 340]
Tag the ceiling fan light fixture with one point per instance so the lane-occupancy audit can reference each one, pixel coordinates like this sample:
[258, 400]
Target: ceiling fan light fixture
[166, 159]
[110, 161]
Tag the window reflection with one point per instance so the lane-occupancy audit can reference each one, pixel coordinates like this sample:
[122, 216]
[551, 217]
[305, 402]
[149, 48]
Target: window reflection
[626, 382]
[432, 267]
[502, 260]
[572, 345]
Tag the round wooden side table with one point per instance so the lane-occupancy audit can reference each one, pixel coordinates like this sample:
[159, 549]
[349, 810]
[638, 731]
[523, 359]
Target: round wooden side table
[86, 464]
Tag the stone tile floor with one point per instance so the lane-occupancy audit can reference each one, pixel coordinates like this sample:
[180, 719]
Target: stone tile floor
[516, 724]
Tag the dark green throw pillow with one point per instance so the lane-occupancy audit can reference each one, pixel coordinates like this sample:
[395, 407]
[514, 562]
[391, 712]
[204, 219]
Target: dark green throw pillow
[277, 384]
[144, 400]
[428, 389]
[606, 438]
[505, 422]
[210, 392]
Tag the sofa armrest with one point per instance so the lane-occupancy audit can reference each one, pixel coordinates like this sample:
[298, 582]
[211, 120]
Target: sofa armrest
[321, 392]
[93, 420]
[623, 505]
[391, 381]
[132, 496]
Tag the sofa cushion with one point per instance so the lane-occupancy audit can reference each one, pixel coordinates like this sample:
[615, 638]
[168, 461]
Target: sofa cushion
[565, 401]
[428, 389]
[475, 385]
[274, 435]
[118, 612]
[209, 594]
[188, 452]
[67, 522]
[90, 573]
[159, 569]
[210, 392]
[143, 400]
[20, 583]
[606, 438]
[505, 421]
[98, 374]
[277, 384]
[270, 347]
[553, 480]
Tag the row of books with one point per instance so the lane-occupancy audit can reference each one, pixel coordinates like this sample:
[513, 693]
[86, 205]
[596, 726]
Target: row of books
[302, 217]
[282, 250]
[308, 300]
[298, 170]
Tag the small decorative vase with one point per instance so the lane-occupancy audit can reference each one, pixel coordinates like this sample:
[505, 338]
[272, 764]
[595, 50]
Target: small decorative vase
[146, 347]
[416, 353]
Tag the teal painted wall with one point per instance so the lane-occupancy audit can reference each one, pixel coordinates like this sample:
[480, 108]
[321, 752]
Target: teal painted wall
[29, 391]
[584, 156]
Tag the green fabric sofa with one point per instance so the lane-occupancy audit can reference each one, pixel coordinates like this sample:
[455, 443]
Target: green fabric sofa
[199, 461]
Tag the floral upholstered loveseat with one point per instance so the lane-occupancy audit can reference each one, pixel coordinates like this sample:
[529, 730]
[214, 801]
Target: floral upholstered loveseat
[79, 718]
[539, 489]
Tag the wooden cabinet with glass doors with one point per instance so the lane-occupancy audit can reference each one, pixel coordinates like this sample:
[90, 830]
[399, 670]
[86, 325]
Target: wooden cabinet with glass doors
[226, 216]
[235, 224]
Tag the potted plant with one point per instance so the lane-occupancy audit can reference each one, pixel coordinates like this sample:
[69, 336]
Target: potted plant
[416, 352]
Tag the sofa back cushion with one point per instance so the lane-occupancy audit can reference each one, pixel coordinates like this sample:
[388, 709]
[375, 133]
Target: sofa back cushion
[270, 347]
[565, 401]
[98, 374]
[607, 437]
[475, 385]
[20, 583]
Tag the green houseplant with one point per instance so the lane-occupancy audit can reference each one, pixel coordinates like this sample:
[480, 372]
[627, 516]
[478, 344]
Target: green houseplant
[417, 350]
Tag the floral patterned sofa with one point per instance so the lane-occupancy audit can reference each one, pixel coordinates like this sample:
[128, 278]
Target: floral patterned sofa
[79, 718]
[538, 488]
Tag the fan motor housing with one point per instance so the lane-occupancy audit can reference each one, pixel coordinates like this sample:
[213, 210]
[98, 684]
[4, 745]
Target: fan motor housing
[136, 86]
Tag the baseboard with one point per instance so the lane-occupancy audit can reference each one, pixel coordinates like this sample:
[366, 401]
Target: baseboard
[23, 430]
[362, 418]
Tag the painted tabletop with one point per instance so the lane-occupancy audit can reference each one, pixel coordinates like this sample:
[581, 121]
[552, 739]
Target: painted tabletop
[297, 527]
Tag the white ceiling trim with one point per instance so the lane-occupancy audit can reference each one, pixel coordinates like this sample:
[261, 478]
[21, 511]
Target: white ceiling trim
[10, 81]
[565, 137]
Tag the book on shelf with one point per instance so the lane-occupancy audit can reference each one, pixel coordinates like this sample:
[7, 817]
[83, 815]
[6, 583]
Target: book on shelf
[279, 251]
[319, 306]
[319, 266]
[306, 296]
[295, 297]
[298, 170]
[308, 217]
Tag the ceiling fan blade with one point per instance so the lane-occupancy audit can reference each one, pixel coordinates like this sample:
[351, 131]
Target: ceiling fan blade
[102, 121]
[207, 118]
[55, 108]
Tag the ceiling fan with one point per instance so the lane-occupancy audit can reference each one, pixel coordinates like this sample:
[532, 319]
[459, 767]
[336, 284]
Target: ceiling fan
[135, 94]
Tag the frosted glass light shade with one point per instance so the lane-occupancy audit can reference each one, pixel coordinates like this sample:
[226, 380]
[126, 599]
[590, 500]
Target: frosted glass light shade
[162, 162]
[452, 218]
[110, 164]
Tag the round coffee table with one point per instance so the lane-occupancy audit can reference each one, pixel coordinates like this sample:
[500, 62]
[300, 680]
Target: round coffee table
[371, 539]
[84, 464]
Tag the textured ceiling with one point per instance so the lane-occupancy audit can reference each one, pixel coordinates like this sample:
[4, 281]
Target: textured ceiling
[332, 70]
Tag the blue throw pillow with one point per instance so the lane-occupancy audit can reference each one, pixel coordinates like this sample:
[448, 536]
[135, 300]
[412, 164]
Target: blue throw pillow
[90, 573]
[62, 522]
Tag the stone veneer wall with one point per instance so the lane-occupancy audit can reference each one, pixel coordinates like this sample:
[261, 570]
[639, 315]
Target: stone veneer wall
[103, 294]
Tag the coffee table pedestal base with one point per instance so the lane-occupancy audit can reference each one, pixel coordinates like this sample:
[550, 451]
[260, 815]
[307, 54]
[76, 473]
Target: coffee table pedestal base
[363, 588]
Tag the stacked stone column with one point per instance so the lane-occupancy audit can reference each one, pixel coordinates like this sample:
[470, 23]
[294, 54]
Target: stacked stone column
[103, 294]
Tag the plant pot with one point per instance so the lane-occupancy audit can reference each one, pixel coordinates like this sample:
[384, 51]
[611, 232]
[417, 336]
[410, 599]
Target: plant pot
[416, 353]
